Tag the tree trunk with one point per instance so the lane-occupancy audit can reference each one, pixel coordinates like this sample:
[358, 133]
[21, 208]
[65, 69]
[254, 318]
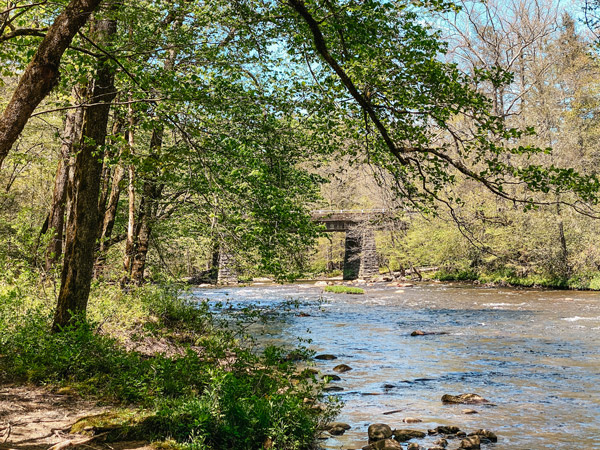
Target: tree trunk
[131, 225]
[148, 211]
[56, 217]
[42, 73]
[82, 226]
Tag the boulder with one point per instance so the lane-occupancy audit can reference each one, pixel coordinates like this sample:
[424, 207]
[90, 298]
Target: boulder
[326, 357]
[471, 443]
[378, 432]
[464, 399]
[413, 446]
[406, 435]
[485, 435]
[384, 444]
[341, 368]
[321, 283]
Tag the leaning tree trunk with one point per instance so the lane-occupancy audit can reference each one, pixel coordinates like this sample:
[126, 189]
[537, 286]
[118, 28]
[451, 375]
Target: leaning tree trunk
[42, 73]
[56, 217]
[82, 226]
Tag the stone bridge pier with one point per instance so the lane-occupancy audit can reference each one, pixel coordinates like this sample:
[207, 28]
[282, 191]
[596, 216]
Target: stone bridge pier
[360, 255]
[360, 251]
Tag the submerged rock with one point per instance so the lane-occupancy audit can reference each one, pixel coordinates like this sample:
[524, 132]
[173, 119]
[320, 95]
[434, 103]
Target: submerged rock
[333, 389]
[469, 411]
[326, 357]
[379, 431]
[341, 368]
[331, 377]
[407, 435]
[464, 399]
[427, 333]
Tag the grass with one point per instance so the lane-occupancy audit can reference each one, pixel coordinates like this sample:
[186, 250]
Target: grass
[339, 289]
[217, 391]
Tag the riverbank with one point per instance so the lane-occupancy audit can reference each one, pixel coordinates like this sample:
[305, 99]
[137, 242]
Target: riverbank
[507, 278]
[147, 365]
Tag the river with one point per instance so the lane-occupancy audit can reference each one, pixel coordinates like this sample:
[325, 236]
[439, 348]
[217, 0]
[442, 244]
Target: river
[535, 354]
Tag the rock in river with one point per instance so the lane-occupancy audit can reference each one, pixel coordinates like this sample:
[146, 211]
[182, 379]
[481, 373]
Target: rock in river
[341, 368]
[447, 429]
[326, 357]
[427, 333]
[338, 428]
[331, 377]
[485, 435]
[464, 398]
[384, 444]
[379, 431]
[406, 435]
[470, 443]
[411, 420]
[413, 446]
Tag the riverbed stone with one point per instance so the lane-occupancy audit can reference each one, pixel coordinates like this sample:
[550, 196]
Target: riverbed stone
[441, 443]
[411, 420]
[326, 357]
[321, 283]
[470, 443]
[407, 435]
[413, 446]
[343, 425]
[447, 429]
[341, 368]
[469, 411]
[485, 435]
[378, 432]
[331, 377]
[384, 444]
[333, 389]
[464, 399]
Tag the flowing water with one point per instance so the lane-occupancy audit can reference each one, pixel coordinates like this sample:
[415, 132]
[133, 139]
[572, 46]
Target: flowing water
[535, 354]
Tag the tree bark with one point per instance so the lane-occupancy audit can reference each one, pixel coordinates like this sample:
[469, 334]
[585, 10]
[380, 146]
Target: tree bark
[82, 226]
[42, 73]
[56, 217]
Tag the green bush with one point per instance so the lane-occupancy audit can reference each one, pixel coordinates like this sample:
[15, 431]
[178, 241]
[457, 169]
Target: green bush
[218, 394]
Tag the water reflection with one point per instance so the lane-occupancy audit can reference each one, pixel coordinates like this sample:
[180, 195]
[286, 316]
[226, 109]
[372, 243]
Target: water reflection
[535, 354]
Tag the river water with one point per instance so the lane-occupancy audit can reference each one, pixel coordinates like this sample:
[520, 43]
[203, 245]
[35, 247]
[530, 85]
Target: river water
[535, 354]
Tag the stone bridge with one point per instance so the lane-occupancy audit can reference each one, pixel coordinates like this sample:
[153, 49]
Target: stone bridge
[360, 254]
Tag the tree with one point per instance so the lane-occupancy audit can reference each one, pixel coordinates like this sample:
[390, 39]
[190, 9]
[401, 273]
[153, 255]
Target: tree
[43, 71]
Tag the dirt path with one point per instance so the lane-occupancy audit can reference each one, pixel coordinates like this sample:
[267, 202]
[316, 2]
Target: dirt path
[34, 418]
